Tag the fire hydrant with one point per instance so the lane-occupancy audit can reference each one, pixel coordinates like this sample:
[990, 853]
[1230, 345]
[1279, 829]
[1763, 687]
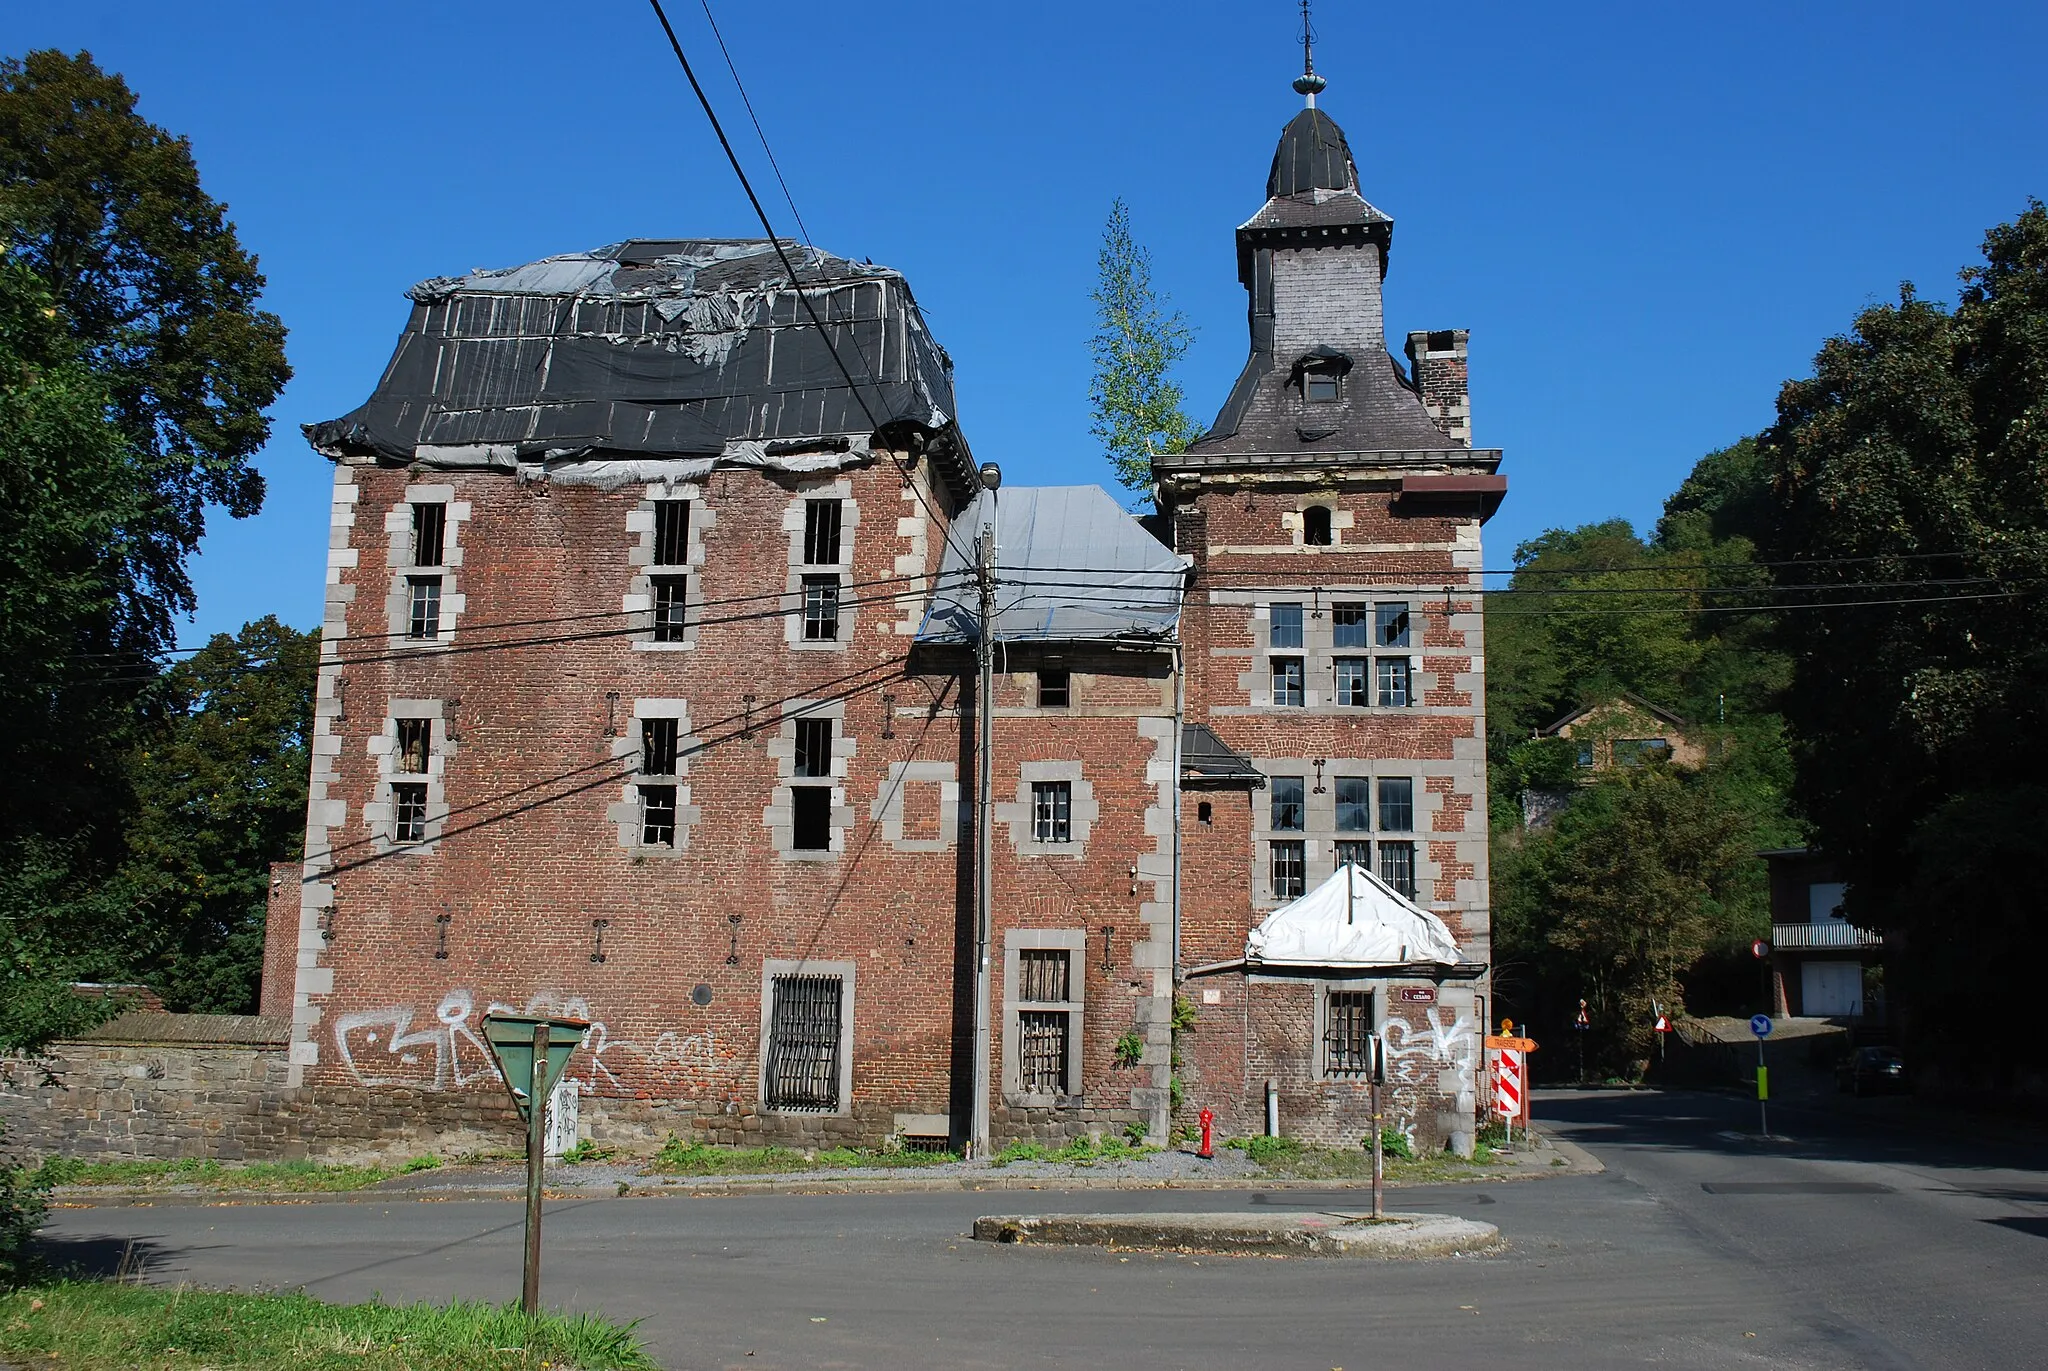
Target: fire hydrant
[1207, 1153]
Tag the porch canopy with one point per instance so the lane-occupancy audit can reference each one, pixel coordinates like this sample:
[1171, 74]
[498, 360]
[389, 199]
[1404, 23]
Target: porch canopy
[1353, 920]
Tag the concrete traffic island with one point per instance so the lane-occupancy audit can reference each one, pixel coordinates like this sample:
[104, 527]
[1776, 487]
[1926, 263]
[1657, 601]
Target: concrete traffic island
[1308, 1233]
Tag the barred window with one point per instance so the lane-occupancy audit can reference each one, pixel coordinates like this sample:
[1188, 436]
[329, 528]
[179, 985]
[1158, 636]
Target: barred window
[1290, 870]
[1289, 688]
[423, 607]
[1397, 867]
[1045, 1024]
[1394, 683]
[671, 607]
[1347, 1033]
[409, 812]
[415, 745]
[1354, 804]
[1355, 854]
[821, 532]
[657, 816]
[1397, 804]
[1289, 804]
[671, 532]
[821, 609]
[660, 742]
[429, 534]
[1350, 626]
[804, 1042]
[1286, 626]
[1392, 625]
[1353, 685]
[1052, 811]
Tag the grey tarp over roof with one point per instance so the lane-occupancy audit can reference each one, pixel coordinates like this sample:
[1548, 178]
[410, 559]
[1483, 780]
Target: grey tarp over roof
[1071, 566]
[662, 348]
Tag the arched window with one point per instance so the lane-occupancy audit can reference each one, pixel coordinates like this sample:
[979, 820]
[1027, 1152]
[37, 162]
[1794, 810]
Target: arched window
[1315, 526]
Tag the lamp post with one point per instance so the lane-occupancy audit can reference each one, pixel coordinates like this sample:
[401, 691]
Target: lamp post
[984, 780]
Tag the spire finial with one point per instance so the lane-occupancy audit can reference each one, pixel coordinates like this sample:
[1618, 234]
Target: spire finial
[1308, 83]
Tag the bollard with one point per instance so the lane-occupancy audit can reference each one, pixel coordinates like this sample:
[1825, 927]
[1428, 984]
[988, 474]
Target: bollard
[1272, 1109]
[1207, 1153]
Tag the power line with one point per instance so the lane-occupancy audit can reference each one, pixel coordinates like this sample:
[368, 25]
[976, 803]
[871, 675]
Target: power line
[741, 87]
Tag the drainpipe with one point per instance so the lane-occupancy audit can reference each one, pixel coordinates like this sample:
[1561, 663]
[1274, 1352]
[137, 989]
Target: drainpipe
[1180, 714]
[984, 654]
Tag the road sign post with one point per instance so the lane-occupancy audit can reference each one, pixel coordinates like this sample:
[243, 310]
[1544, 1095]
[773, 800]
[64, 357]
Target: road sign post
[1511, 1076]
[1379, 1158]
[1760, 1025]
[1580, 1025]
[532, 1053]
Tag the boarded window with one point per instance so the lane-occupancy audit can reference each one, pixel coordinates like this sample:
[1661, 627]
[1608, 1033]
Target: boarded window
[1052, 812]
[423, 607]
[821, 609]
[1347, 1033]
[810, 818]
[1045, 1025]
[415, 745]
[671, 607]
[804, 1042]
[429, 534]
[408, 812]
[657, 816]
[821, 532]
[660, 741]
[671, 532]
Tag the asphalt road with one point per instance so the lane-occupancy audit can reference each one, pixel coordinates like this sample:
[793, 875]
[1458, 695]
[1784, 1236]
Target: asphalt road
[1847, 1245]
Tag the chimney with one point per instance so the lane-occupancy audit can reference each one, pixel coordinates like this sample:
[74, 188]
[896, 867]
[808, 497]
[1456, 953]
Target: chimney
[1437, 361]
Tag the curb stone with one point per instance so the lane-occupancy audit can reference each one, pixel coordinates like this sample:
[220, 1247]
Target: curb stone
[1305, 1233]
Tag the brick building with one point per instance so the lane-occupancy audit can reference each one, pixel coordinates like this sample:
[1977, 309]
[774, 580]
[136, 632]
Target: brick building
[649, 695]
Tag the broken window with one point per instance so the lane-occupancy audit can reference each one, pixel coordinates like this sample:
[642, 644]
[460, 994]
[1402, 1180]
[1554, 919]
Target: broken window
[1286, 626]
[1354, 804]
[657, 816]
[813, 747]
[671, 607]
[1052, 689]
[1392, 625]
[423, 607]
[671, 533]
[1397, 867]
[660, 744]
[821, 532]
[1046, 1023]
[810, 818]
[409, 812]
[821, 609]
[1290, 870]
[803, 1066]
[429, 534]
[1350, 626]
[1397, 804]
[415, 745]
[1394, 683]
[1289, 687]
[1052, 811]
[1289, 804]
[1315, 523]
[1353, 684]
[1347, 1033]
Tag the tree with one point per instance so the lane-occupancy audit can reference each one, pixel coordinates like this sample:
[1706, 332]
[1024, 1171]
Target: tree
[1910, 469]
[148, 274]
[222, 791]
[1139, 412]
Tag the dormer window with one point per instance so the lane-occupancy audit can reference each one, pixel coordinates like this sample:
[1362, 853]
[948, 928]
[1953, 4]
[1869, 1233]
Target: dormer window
[1322, 387]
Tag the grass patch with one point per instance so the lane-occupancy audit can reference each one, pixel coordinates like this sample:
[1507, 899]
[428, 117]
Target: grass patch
[687, 1158]
[1079, 1152]
[102, 1326]
[301, 1176]
[1297, 1160]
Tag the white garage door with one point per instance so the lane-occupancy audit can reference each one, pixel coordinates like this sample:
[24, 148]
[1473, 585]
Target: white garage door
[1830, 988]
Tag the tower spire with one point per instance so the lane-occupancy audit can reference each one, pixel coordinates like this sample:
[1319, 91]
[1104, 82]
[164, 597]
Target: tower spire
[1308, 84]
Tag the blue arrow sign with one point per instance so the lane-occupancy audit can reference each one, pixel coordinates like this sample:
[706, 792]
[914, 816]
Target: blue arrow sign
[1760, 1024]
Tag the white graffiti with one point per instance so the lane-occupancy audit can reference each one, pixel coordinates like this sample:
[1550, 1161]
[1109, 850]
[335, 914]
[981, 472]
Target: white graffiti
[381, 1047]
[1418, 1056]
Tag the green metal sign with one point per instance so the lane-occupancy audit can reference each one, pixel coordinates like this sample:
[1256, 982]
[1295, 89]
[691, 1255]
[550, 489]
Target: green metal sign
[512, 1038]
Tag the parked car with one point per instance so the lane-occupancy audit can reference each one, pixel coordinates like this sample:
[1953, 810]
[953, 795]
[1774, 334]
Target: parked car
[1870, 1069]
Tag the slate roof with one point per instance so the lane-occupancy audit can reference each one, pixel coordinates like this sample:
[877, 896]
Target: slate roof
[653, 348]
[1313, 155]
[1209, 758]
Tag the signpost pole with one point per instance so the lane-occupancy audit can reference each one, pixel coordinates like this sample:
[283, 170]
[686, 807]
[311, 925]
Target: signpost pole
[536, 1148]
[1763, 1093]
[1379, 1160]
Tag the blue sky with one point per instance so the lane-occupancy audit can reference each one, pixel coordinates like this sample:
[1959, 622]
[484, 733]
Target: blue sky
[1649, 216]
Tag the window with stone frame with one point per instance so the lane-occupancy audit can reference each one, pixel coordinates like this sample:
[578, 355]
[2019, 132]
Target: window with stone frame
[822, 523]
[1397, 866]
[1354, 804]
[429, 533]
[1353, 680]
[821, 609]
[1052, 811]
[1289, 804]
[1315, 526]
[670, 595]
[408, 811]
[1351, 626]
[803, 1057]
[1045, 1020]
[415, 745]
[1284, 626]
[1353, 852]
[1347, 1032]
[1393, 628]
[660, 748]
[1290, 685]
[1289, 869]
[811, 804]
[1397, 804]
[1395, 683]
[671, 534]
[1054, 687]
[423, 607]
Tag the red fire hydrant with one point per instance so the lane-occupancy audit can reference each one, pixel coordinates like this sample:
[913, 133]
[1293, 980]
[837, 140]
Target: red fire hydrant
[1207, 1153]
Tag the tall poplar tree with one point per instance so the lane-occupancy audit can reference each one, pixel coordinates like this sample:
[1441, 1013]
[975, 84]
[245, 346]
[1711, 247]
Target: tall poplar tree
[1139, 408]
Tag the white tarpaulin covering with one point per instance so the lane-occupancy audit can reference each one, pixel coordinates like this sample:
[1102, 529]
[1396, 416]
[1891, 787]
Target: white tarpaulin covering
[1352, 919]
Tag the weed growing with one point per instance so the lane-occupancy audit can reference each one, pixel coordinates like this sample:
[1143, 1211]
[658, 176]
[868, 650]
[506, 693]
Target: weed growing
[297, 1176]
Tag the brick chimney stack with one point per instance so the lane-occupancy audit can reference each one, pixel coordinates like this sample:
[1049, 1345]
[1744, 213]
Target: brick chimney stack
[1437, 360]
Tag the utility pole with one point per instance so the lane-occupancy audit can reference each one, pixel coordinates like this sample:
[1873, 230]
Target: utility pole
[984, 781]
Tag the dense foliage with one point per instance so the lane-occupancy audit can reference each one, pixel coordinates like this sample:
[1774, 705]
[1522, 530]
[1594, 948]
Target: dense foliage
[1139, 410]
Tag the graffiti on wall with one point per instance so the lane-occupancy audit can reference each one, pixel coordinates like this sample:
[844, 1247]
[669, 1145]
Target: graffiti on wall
[1440, 1055]
[383, 1047]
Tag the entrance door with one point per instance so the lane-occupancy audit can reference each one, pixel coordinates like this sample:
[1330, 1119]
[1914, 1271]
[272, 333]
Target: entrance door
[1828, 989]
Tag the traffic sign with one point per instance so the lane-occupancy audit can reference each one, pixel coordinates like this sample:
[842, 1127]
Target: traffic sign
[1760, 1024]
[512, 1036]
[1663, 1023]
[1582, 1021]
[1759, 949]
